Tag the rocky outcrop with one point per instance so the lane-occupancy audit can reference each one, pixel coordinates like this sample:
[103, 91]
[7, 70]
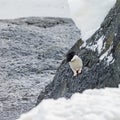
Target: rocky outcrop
[31, 49]
[101, 58]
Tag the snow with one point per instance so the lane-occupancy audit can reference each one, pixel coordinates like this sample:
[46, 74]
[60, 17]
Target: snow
[89, 14]
[95, 104]
[110, 59]
[99, 45]
[10, 9]
[108, 55]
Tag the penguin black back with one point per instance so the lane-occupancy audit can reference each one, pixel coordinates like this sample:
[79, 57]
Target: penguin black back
[70, 55]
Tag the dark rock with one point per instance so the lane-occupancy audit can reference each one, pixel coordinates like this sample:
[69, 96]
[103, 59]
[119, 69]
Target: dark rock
[100, 69]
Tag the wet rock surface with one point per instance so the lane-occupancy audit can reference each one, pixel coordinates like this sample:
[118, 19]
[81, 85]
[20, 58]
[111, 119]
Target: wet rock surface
[31, 49]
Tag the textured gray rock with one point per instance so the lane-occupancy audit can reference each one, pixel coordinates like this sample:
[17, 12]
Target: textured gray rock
[100, 69]
[31, 49]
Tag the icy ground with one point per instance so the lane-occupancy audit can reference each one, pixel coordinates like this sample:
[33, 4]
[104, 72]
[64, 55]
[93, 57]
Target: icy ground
[31, 49]
[97, 104]
[26, 8]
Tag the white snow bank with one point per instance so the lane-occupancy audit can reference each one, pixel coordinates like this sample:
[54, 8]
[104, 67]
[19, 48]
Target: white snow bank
[96, 104]
[89, 14]
[25, 8]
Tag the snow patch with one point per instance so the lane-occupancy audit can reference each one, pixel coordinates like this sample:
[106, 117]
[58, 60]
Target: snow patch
[81, 106]
[99, 45]
[89, 14]
[110, 59]
[108, 55]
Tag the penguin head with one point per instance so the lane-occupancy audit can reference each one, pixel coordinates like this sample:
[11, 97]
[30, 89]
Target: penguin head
[69, 56]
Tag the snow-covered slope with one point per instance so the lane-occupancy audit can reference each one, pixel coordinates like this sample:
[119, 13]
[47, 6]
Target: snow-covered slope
[88, 14]
[25, 8]
[97, 104]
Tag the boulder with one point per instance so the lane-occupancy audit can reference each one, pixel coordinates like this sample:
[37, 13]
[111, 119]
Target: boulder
[31, 49]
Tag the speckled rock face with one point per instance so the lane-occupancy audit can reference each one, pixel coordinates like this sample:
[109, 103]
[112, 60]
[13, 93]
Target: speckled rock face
[101, 59]
[31, 49]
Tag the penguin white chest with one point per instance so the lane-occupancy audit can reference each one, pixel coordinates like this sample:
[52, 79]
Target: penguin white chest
[76, 65]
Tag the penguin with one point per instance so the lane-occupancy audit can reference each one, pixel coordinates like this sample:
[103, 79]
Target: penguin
[75, 62]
